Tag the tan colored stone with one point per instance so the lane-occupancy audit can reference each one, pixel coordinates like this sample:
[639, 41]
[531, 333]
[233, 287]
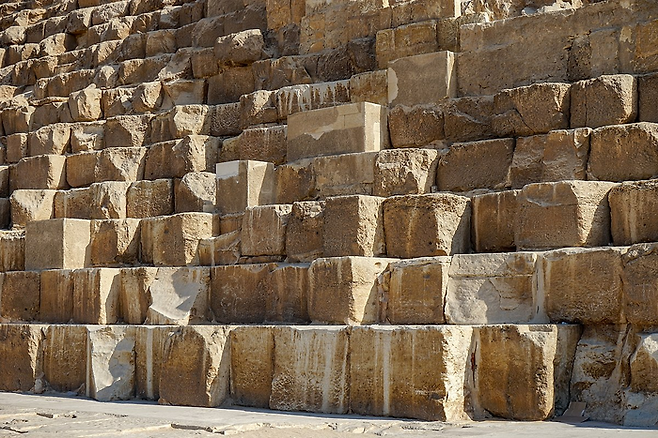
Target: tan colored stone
[307, 97]
[134, 297]
[359, 127]
[40, 172]
[127, 131]
[264, 230]
[345, 174]
[371, 86]
[230, 84]
[31, 205]
[85, 105]
[147, 97]
[476, 165]
[160, 41]
[110, 362]
[242, 184]
[644, 364]
[20, 296]
[64, 357]
[56, 296]
[150, 198]
[57, 243]
[240, 48]
[12, 250]
[405, 172]
[252, 365]
[568, 213]
[149, 349]
[647, 94]
[425, 78]
[407, 40]
[416, 126]
[4, 181]
[295, 181]
[196, 191]
[238, 295]
[51, 139]
[108, 200]
[225, 119]
[304, 239]
[311, 369]
[120, 164]
[261, 144]
[184, 92]
[81, 169]
[174, 240]
[415, 372]
[96, 295]
[114, 242]
[353, 225]
[493, 221]
[203, 352]
[17, 147]
[286, 288]
[178, 296]
[427, 225]
[220, 250]
[344, 290]
[633, 205]
[638, 284]
[20, 346]
[606, 100]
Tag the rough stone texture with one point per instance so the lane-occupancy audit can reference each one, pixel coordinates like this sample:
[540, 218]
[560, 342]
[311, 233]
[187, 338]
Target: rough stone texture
[252, 365]
[405, 172]
[482, 164]
[20, 296]
[64, 357]
[426, 78]
[238, 293]
[174, 159]
[644, 364]
[196, 191]
[56, 299]
[344, 290]
[111, 362]
[614, 151]
[57, 243]
[96, 295]
[150, 198]
[370, 86]
[149, 348]
[606, 100]
[31, 205]
[633, 206]
[173, 240]
[416, 126]
[570, 213]
[493, 220]
[115, 242]
[305, 236]
[12, 250]
[311, 369]
[220, 250]
[638, 284]
[120, 164]
[286, 288]
[20, 345]
[353, 225]
[178, 296]
[557, 156]
[648, 93]
[264, 230]
[346, 174]
[427, 225]
[243, 47]
[242, 184]
[204, 354]
[40, 172]
[296, 181]
[357, 127]
[108, 200]
[407, 40]
[81, 168]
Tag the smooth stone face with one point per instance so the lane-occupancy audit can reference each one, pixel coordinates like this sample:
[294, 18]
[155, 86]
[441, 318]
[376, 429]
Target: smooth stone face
[242, 184]
[425, 78]
[96, 295]
[57, 243]
[111, 362]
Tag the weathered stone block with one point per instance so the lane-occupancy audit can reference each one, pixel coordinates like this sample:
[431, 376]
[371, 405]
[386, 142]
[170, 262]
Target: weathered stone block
[358, 127]
[65, 357]
[427, 225]
[405, 172]
[174, 240]
[127, 131]
[606, 100]
[115, 242]
[108, 200]
[633, 206]
[150, 344]
[57, 243]
[194, 153]
[647, 95]
[110, 362]
[81, 168]
[307, 97]
[238, 295]
[74, 203]
[17, 147]
[242, 184]
[196, 191]
[638, 284]
[85, 105]
[286, 288]
[416, 126]
[345, 174]
[262, 144]
[370, 86]
[134, 296]
[220, 250]
[150, 198]
[51, 139]
[569, 213]
[407, 40]
[230, 84]
[493, 221]
[56, 296]
[353, 225]
[264, 230]
[426, 78]
[12, 250]
[40, 172]
[252, 365]
[644, 364]
[20, 346]
[31, 205]
[120, 164]
[96, 295]
[238, 48]
[20, 296]
[305, 236]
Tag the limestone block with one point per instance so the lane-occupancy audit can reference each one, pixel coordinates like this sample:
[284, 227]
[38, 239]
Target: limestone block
[50, 139]
[126, 131]
[220, 250]
[522, 372]
[238, 294]
[304, 239]
[614, 151]
[147, 97]
[196, 191]
[87, 137]
[568, 213]
[225, 119]
[178, 296]
[56, 296]
[370, 86]
[638, 284]
[493, 221]
[194, 153]
[264, 230]
[644, 364]
[606, 100]
[31, 205]
[238, 48]
[203, 352]
[160, 41]
[4, 181]
[416, 290]
[427, 225]
[115, 242]
[150, 198]
[633, 205]
[476, 165]
[357, 127]
[307, 97]
[112, 10]
[256, 107]
[557, 156]
[96, 295]
[136, 71]
[174, 240]
[242, 184]
[231, 222]
[204, 63]
[184, 92]
[108, 200]
[252, 365]
[344, 290]
[12, 250]
[407, 40]
[286, 289]
[65, 357]
[647, 95]
[353, 225]
[17, 147]
[262, 144]
[120, 164]
[57, 243]
[15, 120]
[20, 296]
[5, 213]
[85, 105]
[296, 181]
[416, 126]
[110, 362]
[311, 369]
[383, 359]
[345, 174]
[20, 346]
[405, 172]
[134, 295]
[81, 168]
[493, 289]
[425, 78]
[40, 172]
[530, 110]
[189, 120]
[149, 349]
[79, 21]
[583, 285]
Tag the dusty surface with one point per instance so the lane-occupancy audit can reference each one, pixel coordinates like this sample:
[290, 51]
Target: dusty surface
[45, 416]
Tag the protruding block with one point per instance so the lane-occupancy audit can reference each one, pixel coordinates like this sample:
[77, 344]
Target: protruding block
[110, 362]
[606, 100]
[493, 221]
[353, 225]
[57, 243]
[173, 240]
[427, 225]
[120, 164]
[633, 209]
[220, 250]
[426, 78]
[264, 230]
[20, 348]
[238, 294]
[31, 205]
[304, 239]
[196, 191]
[40, 172]
[115, 242]
[569, 213]
[355, 127]
[242, 184]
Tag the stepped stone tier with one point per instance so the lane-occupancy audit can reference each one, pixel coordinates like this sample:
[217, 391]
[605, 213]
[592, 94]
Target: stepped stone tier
[433, 209]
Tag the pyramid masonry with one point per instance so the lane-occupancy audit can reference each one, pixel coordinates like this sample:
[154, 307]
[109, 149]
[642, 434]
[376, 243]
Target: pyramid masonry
[427, 209]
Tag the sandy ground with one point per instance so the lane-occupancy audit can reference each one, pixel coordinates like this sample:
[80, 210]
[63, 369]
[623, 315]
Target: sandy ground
[47, 416]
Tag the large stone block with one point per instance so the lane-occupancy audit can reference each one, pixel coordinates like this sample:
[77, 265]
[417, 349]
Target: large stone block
[177, 296]
[127, 131]
[614, 151]
[427, 225]
[115, 242]
[81, 168]
[85, 105]
[606, 100]
[307, 97]
[108, 199]
[286, 288]
[493, 221]
[194, 153]
[296, 181]
[648, 93]
[31, 205]
[336, 175]
[305, 235]
[414, 372]
[65, 357]
[110, 362]
[57, 243]
[238, 48]
[644, 364]
[150, 344]
[238, 293]
[416, 126]
[370, 86]
[261, 143]
[134, 296]
[477, 165]
[20, 296]
[96, 295]
[264, 230]
[56, 296]
[583, 285]
[557, 156]
[405, 172]
[87, 136]
[242, 184]
[426, 78]
[311, 369]
[20, 346]
[357, 127]
[353, 225]
[196, 191]
[203, 352]
[73, 203]
[469, 118]
[40, 172]
[252, 365]
[639, 280]
[174, 240]
[407, 40]
[51, 139]
[344, 290]
[120, 164]
[569, 213]
[633, 207]
[493, 289]
[150, 198]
